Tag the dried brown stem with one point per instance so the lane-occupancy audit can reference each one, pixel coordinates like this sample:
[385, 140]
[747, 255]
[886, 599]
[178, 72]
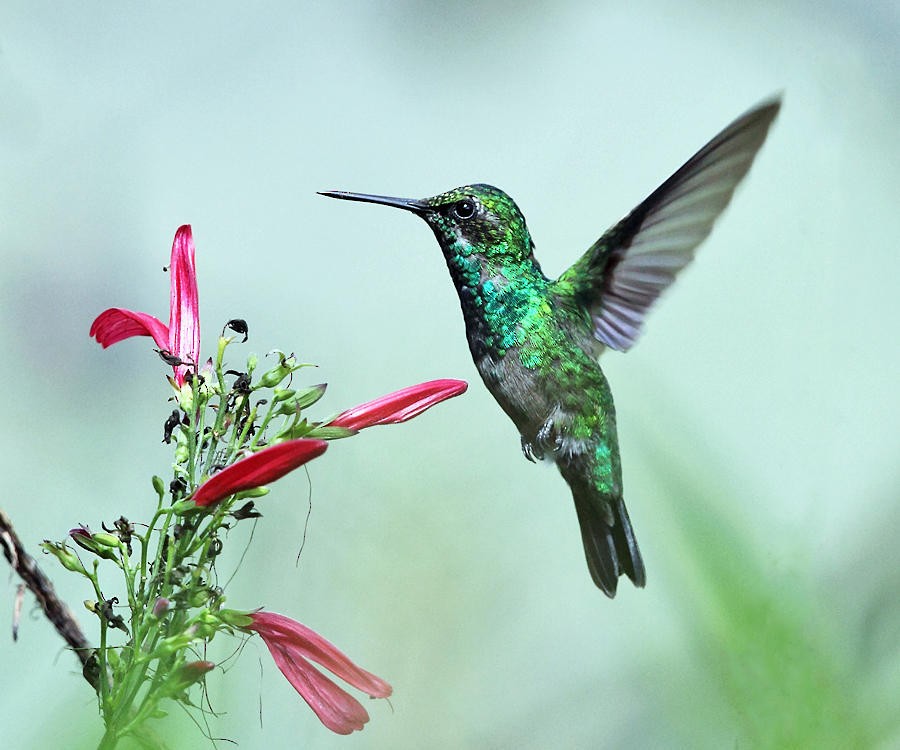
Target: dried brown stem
[55, 609]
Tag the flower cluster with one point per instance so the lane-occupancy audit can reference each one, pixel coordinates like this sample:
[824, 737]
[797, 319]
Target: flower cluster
[234, 431]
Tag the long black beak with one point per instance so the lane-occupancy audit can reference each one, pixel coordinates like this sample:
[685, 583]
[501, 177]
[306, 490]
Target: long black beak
[407, 204]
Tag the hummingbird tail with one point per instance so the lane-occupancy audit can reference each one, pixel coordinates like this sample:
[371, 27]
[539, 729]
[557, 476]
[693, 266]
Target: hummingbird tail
[609, 543]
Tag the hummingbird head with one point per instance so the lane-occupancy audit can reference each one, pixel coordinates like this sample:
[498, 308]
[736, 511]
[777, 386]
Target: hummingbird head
[476, 222]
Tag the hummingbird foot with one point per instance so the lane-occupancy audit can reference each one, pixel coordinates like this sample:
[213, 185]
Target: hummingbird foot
[529, 451]
[546, 439]
[543, 440]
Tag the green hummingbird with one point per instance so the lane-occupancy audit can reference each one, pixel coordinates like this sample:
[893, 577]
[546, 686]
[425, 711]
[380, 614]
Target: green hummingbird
[536, 341]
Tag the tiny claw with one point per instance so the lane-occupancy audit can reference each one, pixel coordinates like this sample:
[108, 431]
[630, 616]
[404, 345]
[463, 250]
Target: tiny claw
[529, 452]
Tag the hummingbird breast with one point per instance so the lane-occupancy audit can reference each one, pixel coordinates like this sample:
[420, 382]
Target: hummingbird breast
[538, 360]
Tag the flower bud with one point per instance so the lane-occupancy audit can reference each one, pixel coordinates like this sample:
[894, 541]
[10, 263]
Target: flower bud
[67, 558]
[198, 598]
[282, 394]
[287, 408]
[287, 363]
[182, 453]
[274, 376]
[106, 540]
[186, 675]
[205, 631]
[309, 396]
[159, 486]
[161, 607]
[83, 537]
[302, 399]
[186, 398]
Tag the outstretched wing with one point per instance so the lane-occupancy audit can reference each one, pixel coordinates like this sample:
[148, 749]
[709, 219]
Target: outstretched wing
[622, 274]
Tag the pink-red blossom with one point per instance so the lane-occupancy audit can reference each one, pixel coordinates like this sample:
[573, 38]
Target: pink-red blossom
[401, 405]
[258, 468]
[181, 338]
[293, 646]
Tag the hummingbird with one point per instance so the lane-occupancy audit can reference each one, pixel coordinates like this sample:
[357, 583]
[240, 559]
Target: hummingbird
[536, 341]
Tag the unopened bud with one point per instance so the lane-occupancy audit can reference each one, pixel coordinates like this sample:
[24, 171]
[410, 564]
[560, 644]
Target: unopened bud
[309, 396]
[287, 363]
[181, 678]
[205, 631]
[287, 408]
[186, 398]
[274, 376]
[282, 394]
[182, 453]
[106, 540]
[83, 537]
[67, 558]
[161, 607]
[198, 598]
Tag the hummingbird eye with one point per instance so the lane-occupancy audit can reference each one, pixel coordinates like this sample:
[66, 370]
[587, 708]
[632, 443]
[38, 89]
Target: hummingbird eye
[465, 209]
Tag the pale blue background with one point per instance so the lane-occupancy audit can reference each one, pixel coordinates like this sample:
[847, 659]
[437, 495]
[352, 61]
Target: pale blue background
[764, 394]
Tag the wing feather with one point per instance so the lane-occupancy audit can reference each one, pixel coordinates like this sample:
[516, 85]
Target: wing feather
[625, 271]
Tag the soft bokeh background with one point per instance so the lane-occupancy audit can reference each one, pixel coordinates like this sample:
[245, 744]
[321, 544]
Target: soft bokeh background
[758, 415]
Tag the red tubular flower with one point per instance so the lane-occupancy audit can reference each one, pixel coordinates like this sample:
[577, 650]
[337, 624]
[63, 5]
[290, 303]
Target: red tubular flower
[181, 338]
[258, 468]
[399, 406]
[292, 646]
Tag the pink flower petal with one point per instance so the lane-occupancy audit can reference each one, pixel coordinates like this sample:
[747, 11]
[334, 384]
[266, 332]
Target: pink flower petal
[292, 644]
[401, 405]
[181, 338]
[257, 469]
[116, 324]
[306, 642]
[184, 311]
[335, 707]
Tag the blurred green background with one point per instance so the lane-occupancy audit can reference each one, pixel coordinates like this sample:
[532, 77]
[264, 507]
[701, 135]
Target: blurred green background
[758, 415]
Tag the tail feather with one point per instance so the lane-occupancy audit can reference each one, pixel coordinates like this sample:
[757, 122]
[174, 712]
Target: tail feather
[609, 543]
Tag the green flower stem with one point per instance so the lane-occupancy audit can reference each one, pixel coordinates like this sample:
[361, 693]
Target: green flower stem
[262, 427]
[110, 738]
[248, 425]
[208, 536]
[241, 437]
[191, 431]
[103, 681]
[199, 439]
[213, 447]
[224, 341]
[120, 717]
[145, 545]
[180, 623]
